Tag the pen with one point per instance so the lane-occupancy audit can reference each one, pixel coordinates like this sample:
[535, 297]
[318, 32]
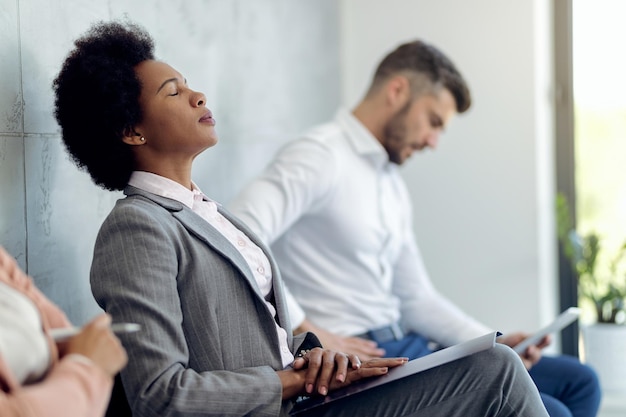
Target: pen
[61, 335]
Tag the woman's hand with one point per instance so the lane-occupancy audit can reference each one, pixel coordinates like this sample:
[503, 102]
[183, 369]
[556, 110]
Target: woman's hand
[327, 370]
[97, 342]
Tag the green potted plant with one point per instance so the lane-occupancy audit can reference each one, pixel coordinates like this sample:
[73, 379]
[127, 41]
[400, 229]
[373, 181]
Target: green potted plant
[607, 292]
[602, 282]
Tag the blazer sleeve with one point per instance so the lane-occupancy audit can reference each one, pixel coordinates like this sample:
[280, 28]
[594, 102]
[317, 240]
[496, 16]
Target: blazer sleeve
[74, 388]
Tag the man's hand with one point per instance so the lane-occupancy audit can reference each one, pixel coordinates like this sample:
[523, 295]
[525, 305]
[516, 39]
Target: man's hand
[532, 354]
[364, 349]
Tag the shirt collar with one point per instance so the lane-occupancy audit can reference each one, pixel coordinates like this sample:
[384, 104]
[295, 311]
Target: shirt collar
[361, 139]
[165, 187]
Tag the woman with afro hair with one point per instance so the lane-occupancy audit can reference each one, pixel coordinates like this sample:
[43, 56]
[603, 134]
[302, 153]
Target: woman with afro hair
[203, 287]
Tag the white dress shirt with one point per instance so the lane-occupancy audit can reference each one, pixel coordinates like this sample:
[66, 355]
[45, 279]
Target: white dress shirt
[208, 210]
[339, 220]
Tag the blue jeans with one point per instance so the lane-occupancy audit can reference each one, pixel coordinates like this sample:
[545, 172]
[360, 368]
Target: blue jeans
[568, 388]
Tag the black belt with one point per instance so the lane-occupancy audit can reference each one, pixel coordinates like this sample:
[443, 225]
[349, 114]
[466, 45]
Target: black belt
[390, 333]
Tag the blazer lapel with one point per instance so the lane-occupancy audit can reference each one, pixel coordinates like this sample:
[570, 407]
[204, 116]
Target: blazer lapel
[204, 231]
[213, 238]
[207, 233]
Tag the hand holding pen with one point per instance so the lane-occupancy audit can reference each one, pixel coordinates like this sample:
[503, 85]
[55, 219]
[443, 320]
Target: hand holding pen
[97, 342]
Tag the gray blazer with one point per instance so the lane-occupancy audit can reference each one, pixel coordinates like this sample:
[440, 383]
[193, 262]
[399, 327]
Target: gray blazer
[208, 344]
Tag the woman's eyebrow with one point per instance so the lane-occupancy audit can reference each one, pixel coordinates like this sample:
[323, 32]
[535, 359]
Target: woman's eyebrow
[165, 82]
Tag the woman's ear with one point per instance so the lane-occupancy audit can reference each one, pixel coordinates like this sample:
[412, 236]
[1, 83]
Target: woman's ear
[133, 138]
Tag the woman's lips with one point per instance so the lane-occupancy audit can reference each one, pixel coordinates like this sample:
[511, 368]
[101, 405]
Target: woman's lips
[208, 118]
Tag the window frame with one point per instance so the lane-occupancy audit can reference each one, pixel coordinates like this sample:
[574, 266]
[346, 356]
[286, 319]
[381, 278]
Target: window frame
[565, 155]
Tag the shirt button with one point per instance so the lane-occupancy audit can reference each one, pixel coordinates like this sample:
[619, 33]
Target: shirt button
[240, 242]
[261, 270]
[286, 350]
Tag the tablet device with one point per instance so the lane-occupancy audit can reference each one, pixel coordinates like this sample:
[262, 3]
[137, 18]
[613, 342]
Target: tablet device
[562, 321]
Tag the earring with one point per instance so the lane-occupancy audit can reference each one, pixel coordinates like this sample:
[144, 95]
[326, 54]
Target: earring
[142, 139]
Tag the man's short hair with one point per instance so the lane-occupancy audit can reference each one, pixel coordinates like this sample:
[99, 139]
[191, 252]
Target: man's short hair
[427, 69]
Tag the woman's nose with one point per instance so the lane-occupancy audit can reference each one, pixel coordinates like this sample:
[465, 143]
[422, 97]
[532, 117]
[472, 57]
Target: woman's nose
[198, 99]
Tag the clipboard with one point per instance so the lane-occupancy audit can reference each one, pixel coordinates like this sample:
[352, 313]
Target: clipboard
[412, 367]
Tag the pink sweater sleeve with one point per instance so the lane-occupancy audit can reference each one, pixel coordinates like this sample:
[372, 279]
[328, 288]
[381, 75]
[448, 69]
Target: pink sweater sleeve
[74, 387]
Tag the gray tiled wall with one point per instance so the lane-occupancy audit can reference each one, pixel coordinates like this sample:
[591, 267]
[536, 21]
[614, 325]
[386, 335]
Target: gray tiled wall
[269, 68]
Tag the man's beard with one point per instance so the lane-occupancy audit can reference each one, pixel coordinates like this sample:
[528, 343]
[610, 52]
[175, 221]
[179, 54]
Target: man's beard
[394, 136]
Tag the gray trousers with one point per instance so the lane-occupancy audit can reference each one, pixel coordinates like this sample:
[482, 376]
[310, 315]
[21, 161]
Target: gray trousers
[490, 383]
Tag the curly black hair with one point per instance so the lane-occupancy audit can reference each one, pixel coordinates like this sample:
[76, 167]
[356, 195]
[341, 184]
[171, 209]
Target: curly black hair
[425, 59]
[97, 99]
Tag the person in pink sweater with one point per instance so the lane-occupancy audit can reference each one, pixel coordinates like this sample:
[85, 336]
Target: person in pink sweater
[39, 377]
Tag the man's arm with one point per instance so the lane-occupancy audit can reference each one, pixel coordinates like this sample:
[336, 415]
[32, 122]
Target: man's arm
[425, 310]
[428, 312]
[301, 175]
[364, 349]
